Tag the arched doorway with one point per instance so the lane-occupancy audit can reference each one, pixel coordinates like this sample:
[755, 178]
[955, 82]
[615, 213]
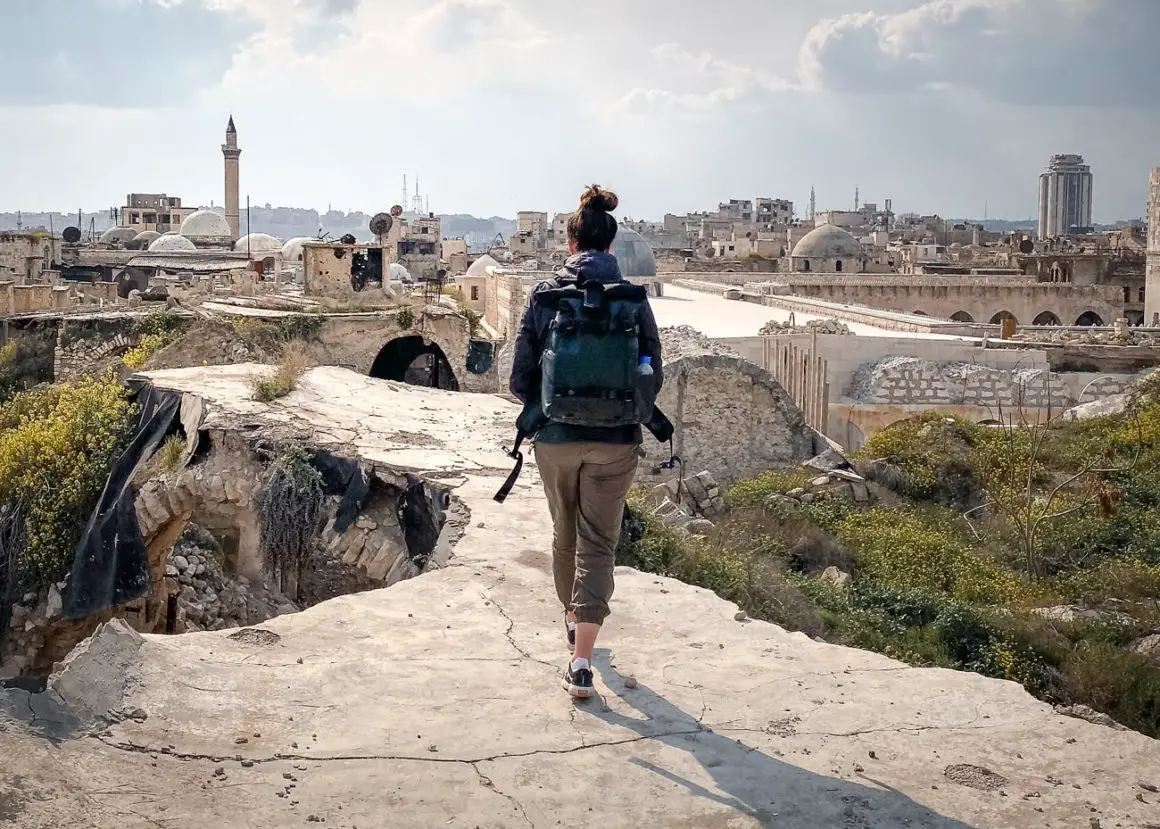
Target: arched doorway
[416, 362]
[1047, 318]
[1091, 318]
[962, 316]
[1003, 315]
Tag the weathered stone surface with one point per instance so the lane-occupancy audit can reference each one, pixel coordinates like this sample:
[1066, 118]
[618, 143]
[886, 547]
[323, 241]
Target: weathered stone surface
[731, 417]
[779, 730]
[828, 461]
[836, 577]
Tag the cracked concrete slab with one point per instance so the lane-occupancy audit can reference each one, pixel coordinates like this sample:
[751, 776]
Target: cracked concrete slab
[437, 702]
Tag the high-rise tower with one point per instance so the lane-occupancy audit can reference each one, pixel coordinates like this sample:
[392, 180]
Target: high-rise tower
[1065, 196]
[232, 154]
[1152, 285]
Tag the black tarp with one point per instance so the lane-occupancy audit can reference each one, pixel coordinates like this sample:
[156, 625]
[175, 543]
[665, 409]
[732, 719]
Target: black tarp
[480, 354]
[422, 514]
[111, 564]
[345, 477]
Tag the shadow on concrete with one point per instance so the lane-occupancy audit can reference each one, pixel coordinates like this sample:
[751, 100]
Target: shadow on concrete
[770, 791]
[38, 713]
[668, 298]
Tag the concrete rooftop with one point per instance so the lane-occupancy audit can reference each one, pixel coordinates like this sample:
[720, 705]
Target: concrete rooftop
[717, 317]
[437, 702]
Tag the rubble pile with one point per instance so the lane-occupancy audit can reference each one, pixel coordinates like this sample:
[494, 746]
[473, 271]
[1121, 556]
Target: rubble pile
[211, 599]
[829, 326]
[31, 618]
[836, 479]
[689, 503]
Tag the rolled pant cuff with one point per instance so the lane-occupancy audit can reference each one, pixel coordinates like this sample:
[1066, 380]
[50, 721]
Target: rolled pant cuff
[590, 617]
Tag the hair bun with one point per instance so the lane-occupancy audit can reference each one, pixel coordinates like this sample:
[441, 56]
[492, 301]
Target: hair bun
[597, 198]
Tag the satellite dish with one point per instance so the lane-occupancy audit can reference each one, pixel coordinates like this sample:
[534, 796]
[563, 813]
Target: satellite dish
[397, 210]
[381, 225]
[72, 235]
[1026, 246]
[349, 239]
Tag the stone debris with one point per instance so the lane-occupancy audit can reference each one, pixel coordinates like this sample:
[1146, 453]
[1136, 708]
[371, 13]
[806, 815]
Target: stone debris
[1083, 712]
[210, 599]
[826, 326]
[839, 483]
[836, 577]
[975, 777]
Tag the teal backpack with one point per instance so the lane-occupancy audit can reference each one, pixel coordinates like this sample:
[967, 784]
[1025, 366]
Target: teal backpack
[591, 364]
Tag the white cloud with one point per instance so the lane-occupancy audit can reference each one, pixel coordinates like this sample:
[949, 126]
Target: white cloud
[1033, 52]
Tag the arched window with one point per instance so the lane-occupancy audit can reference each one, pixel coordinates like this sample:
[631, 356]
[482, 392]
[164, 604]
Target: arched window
[838, 266]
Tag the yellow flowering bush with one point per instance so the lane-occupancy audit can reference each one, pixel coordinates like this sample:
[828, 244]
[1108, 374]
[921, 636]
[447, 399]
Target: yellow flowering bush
[56, 448]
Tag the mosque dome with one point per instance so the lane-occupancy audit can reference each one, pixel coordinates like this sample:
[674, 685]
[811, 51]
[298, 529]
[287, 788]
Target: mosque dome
[171, 244]
[397, 273]
[292, 250]
[828, 242]
[144, 239]
[479, 266]
[118, 236]
[258, 244]
[206, 227]
[633, 253]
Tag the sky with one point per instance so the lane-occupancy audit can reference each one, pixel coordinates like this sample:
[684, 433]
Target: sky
[947, 106]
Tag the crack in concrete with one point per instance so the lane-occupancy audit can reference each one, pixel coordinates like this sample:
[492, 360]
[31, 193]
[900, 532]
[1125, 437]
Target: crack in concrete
[133, 748]
[511, 626]
[488, 783]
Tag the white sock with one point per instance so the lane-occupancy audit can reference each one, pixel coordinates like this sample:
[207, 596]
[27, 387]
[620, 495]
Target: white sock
[580, 665]
[570, 624]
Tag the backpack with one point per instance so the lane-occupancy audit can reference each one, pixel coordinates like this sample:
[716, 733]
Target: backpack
[591, 361]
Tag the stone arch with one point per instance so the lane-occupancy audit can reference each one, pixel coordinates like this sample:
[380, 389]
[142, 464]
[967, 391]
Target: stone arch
[962, 316]
[1134, 317]
[1003, 315]
[1090, 319]
[1047, 318]
[416, 361]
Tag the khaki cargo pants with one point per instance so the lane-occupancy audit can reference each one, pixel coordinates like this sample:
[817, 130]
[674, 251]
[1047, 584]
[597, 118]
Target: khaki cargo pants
[586, 484]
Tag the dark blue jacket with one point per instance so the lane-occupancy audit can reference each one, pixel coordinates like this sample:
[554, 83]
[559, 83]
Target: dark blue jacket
[526, 377]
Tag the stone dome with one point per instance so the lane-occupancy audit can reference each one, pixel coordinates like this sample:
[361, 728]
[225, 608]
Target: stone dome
[206, 226]
[479, 266]
[144, 239]
[118, 236]
[828, 242]
[397, 273]
[633, 253]
[258, 244]
[171, 244]
[292, 250]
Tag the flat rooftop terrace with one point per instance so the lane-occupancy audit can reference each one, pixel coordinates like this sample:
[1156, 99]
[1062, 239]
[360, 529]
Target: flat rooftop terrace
[716, 317]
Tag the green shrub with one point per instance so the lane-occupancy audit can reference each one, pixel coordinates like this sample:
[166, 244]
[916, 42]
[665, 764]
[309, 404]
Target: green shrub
[272, 334]
[756, 491]
[149, 345]
[56, 448]
[405, 318]
[1125, 579]
[897, 549]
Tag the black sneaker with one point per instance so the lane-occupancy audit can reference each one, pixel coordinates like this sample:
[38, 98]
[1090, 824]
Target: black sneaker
[578, 683]
[570, 633]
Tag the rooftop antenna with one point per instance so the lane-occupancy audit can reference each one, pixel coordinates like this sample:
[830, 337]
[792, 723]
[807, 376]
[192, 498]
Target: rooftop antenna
[406, 192]
[417, 201]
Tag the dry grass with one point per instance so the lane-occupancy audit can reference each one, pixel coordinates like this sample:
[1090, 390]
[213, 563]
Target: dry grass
[171, 452]
[293, 363]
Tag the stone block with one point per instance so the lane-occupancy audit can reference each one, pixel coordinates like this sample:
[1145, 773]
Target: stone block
[861, 492]
[820, 481]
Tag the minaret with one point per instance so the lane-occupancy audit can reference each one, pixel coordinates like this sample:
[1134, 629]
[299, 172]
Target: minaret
[232, 154]
[813, 203]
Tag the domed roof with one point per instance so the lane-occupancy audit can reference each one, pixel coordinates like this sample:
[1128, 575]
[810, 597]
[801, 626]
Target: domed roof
[633, 253]
[206, 225]
[292, 250]
[118, 236]
[479, 266]
[258, 243]
[171, 244]
[144, 239]
[397, 273]
[827, 242]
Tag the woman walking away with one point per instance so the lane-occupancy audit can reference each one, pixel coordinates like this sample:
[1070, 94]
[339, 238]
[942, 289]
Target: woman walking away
[590, 354]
